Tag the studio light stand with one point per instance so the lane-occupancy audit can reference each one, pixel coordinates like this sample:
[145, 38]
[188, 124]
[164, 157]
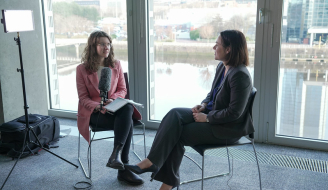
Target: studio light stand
[28, 128]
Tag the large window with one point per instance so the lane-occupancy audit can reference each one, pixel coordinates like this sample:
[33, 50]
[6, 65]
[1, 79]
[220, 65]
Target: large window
[182, 34]
[72, 22]
[171, 61]
[303, 93]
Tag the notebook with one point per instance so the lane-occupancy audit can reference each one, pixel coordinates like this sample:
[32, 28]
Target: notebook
[120, 102]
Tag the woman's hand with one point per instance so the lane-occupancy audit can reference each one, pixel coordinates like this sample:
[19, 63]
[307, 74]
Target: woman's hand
[103, 111]
[108, 101]
[198, 108]
[199, 117]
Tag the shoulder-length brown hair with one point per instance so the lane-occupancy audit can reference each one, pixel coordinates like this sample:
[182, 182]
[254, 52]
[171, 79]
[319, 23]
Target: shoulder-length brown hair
[238, 47]
[90, 55]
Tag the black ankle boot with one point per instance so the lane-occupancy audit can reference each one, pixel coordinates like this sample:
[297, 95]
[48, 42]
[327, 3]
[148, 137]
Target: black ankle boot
[115, 159]
[129, 177]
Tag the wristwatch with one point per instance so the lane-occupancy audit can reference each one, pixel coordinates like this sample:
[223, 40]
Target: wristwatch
[207, 119]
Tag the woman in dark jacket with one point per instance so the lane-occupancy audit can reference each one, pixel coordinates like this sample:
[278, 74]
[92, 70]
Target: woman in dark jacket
[222, 116]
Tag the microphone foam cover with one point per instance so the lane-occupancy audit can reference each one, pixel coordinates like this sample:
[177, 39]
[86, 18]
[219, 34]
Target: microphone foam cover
[104, 81]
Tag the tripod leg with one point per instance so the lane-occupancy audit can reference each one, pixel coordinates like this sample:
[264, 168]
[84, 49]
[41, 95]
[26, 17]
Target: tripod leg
[23, 148]
[59, 156]
[41, 146]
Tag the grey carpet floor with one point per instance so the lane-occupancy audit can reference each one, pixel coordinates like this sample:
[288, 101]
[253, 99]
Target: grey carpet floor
[47, 172]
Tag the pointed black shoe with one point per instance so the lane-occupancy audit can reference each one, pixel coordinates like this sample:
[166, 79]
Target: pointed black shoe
[129, 177]
[115, 159]
[135, 169]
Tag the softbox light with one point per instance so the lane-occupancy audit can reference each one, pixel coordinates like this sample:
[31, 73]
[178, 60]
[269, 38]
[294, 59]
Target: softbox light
[17, 20]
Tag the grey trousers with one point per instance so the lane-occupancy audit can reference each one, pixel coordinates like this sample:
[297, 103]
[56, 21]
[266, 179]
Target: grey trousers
[178, 129]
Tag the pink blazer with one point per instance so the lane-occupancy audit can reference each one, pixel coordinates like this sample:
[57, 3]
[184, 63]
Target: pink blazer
[88, 92]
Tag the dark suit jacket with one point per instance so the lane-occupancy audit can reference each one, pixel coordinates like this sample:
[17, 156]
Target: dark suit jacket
[230, 117]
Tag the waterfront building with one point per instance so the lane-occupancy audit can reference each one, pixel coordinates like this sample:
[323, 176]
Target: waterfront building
[307, 20]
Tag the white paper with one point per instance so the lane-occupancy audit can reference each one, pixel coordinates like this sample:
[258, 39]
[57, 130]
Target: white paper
[120, 102]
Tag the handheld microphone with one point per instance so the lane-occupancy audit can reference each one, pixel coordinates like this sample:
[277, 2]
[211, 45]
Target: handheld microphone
[104, 84]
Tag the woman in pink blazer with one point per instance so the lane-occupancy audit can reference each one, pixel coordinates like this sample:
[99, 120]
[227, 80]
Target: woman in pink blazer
[99, 53]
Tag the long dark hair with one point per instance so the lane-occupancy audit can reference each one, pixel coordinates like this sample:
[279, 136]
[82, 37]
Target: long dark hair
[90, 55]
[236, 40]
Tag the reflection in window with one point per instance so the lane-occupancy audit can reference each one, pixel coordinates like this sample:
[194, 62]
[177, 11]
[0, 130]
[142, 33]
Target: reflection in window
[49, 3]
[53, 53]
[51, 23]
[52, 37]
[55, 84]
[54, 69]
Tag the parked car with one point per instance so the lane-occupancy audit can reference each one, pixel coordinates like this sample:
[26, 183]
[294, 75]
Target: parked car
[293, 39]
[316, 42]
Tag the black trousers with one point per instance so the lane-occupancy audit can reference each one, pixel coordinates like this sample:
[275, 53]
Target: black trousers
[178, 129]
[121, 122]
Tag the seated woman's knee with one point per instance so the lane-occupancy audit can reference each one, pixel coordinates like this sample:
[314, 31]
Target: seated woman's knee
[127, 108]
[173, 110]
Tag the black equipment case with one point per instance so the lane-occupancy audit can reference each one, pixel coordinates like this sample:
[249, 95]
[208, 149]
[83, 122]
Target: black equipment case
[12, 134]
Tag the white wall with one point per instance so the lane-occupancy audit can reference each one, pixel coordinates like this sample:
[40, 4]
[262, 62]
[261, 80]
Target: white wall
[34, 62]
